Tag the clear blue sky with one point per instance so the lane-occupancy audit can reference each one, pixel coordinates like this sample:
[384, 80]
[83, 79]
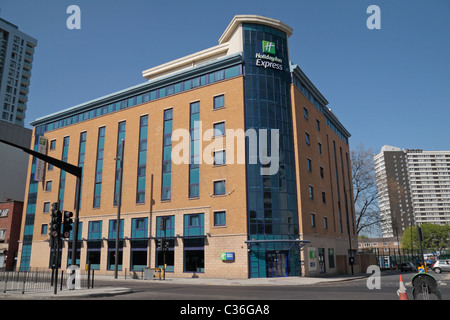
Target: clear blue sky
[388, 86]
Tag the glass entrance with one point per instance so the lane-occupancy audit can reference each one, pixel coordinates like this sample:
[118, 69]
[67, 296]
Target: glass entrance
[277, 264]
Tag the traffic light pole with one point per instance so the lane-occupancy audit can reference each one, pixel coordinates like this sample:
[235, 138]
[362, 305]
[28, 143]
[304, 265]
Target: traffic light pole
[75, 224]
[70, 168]
[56, 263]
[55, 235]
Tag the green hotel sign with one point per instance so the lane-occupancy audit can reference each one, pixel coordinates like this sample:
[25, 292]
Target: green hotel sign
[268, 47]
[227, 256]
[268, 59]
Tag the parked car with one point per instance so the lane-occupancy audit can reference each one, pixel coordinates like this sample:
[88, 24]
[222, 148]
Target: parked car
[441, 265]
[407, 266]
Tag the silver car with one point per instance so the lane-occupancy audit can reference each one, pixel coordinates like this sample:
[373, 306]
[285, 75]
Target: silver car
[441, 265]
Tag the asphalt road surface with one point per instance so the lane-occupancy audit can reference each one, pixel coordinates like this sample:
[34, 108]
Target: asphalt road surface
[345, 290]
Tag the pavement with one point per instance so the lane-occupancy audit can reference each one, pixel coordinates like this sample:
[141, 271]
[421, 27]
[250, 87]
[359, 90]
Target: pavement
[105, 291]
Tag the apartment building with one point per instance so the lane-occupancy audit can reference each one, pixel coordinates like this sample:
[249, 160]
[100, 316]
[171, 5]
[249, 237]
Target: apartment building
[16, 58]
[429, 180]
[413, 188]
[259, 187]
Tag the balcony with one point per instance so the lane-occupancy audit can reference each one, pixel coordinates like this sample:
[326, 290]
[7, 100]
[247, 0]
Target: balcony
[29, 49]
[20, 113]
[28, 57]
[24, 89]
[23, 98]
[19, 122]
[22, 106]
[26, 73]
[27, 65]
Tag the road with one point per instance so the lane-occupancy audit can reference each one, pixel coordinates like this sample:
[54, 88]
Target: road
[345, 290]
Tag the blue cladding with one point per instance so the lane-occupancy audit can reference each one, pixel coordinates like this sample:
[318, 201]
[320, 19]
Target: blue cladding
[271, 199]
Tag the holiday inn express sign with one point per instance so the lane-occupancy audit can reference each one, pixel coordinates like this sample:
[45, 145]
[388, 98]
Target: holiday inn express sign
[268, 47]
[266, 59]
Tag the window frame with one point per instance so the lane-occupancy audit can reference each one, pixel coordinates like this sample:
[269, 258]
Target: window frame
[224, 187]
[224, 212]
[214, 101]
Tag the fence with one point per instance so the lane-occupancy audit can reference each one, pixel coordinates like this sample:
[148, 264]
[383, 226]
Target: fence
[40, 280]
[389, 258]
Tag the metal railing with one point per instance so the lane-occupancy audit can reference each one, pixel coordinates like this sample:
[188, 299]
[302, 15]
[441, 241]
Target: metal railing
[391, 257]
[40, 280]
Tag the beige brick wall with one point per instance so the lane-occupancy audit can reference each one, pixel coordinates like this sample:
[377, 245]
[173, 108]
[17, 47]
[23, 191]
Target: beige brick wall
[234, 203]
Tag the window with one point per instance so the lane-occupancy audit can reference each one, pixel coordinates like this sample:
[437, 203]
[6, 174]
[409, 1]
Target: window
[138, 244]
[139, 227]
[320, 148]
[219, 219]
[46, 206]
[2, 234]
[194, 225]
[194, 165]
[95, 230]
[48, 186]
[308, 140]
[313, 220]
[81, 156]
[99, 167]
[44, 229]
[219, 129]
[309, 164]
[311, 192]
[165, 233]
[325, 223]
[321, 172]
[53, 145]
[219, 157]
[167, 156]
[93, 255]
[63, 174]
[112, 232]
[324, 200]
[142, 160]
[120, 136]
[318, 125]
[194, 243]
[219, 187]
[219, 102]
[305, 113]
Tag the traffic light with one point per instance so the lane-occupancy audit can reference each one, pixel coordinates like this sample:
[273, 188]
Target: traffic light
[162, 223]
[67, 224]
[55, 224]
[160, 244]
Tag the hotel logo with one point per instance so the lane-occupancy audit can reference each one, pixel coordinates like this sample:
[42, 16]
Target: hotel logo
[268, 47]
[268, 59]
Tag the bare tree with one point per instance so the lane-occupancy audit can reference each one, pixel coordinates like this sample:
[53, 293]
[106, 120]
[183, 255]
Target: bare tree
[365, 190]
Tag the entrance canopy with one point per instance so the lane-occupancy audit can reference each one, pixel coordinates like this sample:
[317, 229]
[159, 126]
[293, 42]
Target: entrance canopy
[301, 243]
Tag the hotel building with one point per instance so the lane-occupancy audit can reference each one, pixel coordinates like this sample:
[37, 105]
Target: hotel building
[221, 218]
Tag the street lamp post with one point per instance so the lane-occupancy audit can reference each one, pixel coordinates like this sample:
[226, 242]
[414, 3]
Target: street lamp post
[119, 204]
